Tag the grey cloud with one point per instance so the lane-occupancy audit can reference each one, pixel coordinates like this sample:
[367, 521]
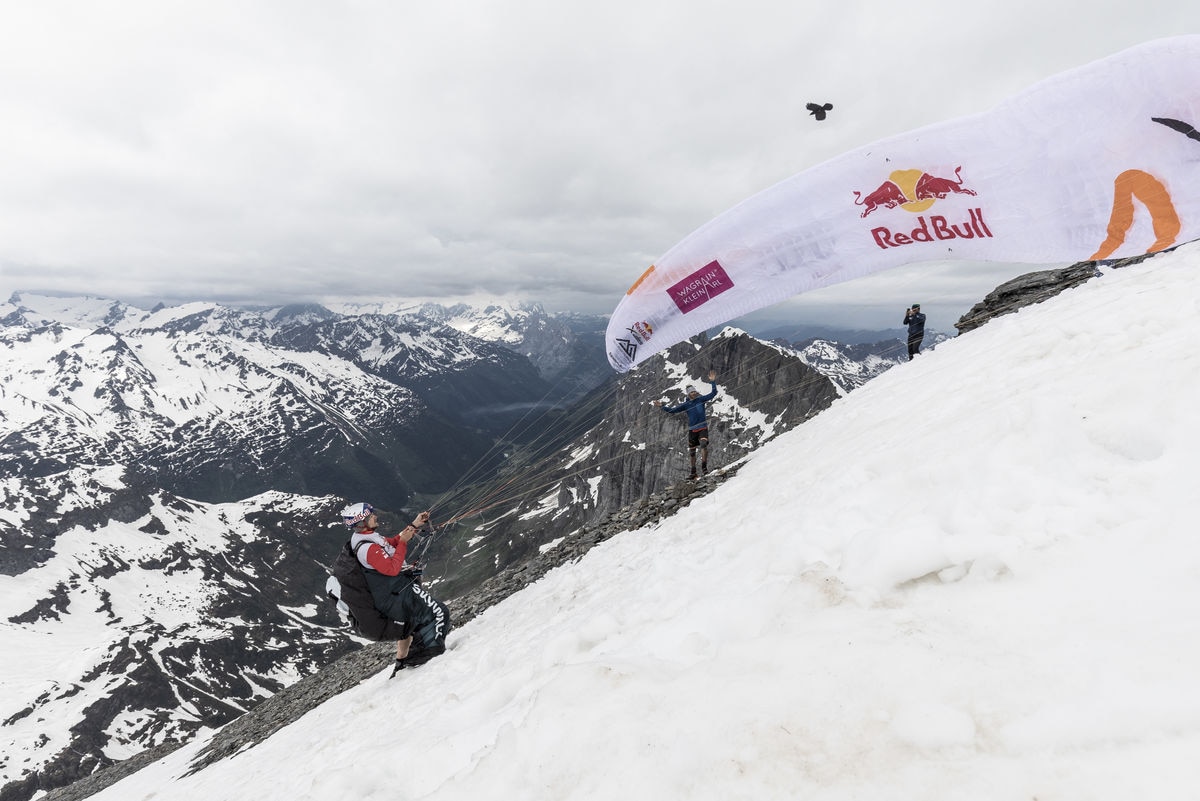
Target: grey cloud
[263, 152]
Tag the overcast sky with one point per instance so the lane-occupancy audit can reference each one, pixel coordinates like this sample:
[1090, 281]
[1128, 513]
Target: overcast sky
[259, 152]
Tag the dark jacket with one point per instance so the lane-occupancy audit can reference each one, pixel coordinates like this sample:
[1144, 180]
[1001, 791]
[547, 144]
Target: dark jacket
[694, 408]
[915, 323]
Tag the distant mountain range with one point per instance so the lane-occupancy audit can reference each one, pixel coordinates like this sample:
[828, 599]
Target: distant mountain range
[171, 477]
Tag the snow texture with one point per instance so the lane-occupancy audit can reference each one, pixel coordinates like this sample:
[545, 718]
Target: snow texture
[976, 577]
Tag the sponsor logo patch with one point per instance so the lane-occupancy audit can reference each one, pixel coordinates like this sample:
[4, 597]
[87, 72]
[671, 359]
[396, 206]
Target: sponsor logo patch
[700, 287]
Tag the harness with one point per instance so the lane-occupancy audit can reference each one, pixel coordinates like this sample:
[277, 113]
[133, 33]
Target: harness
[365, 617]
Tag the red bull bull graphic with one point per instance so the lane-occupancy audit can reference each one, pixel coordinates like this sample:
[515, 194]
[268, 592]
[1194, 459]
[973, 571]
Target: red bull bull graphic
[641, 332]
[889, 195]
[911, 190]
[931, 187]
[916, 191]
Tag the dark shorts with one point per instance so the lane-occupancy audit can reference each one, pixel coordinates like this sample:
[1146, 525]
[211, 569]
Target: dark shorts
[694, 437]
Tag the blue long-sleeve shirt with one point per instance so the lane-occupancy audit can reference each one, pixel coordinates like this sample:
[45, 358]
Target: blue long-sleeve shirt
[695, 409]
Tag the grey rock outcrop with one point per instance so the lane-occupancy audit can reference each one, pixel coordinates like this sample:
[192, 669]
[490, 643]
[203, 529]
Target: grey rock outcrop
[1035, 287]
[1025, 290]
[636, 450]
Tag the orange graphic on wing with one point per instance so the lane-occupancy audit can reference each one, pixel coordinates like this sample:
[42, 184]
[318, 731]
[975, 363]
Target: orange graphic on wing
[641, 278]
[1154, 196]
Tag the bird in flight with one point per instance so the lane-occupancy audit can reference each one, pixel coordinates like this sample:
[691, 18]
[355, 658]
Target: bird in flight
[818, 111]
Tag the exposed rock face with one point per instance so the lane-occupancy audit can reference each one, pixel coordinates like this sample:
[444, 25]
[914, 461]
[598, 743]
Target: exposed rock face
[1025, 290]
[636, 449]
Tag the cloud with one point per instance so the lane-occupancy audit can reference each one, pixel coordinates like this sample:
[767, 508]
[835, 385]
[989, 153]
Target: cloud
[269, 152]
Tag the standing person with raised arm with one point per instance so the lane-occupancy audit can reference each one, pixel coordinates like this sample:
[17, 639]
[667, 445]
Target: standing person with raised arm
[697, 418]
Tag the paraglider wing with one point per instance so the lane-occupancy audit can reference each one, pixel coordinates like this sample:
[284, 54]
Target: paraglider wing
[1075, 168]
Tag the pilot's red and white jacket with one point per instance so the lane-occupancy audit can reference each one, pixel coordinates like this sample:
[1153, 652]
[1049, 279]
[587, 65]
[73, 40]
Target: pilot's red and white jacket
[384, 555]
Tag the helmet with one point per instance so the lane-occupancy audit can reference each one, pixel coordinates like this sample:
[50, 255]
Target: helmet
[356, 513]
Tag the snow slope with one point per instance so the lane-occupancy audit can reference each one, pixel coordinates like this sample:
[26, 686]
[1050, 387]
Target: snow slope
[977, 577]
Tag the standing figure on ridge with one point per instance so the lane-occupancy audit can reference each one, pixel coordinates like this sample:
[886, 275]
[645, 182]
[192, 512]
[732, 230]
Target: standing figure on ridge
[915, 321]
[697, 421]
[384, 594]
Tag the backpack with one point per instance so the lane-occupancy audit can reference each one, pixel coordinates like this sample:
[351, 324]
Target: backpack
[355, 595]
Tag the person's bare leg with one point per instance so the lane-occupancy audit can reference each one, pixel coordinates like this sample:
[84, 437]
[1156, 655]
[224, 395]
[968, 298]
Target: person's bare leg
[402, 647]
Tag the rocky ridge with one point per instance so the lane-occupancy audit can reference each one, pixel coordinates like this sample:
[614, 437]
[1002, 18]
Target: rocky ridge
[635, 449]
[1035, 287]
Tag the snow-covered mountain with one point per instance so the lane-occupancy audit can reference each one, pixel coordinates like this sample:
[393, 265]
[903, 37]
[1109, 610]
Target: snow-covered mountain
[218, 403]
[563, 346]
[188, 458]
[940, 588]
[851, 365]
[149, 618]
[197, 452]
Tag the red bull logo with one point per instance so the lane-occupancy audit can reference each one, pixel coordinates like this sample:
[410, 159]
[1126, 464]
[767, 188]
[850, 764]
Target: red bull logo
[916, 191]
[627, 347]
[911, 190]
[641, 332]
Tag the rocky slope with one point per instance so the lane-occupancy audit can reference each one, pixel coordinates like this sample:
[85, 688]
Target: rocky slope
[294, 701]
[634, 449]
